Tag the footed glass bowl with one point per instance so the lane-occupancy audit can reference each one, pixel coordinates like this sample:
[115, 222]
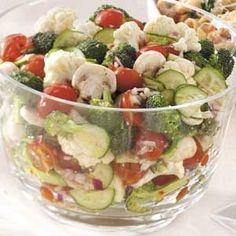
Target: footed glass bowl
[98, 187]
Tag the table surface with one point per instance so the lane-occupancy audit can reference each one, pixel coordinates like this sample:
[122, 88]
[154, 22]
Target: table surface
[28, 220]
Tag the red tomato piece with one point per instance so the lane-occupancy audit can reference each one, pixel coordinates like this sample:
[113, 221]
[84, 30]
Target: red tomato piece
[164, 179]
[130, 173]
[182, 194]
[150, 145]
[36, 66]
[46, 106]
[157, 48]
[13, 46]
[110, 18]
[128, 79]
[29, 43]
[47, 193]
[131, 118]
[199, 157]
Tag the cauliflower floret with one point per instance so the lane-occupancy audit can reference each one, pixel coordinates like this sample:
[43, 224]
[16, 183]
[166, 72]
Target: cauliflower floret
[56, 20]
[174, 168]
[149, 62]
[162, 25]
[89, 28]
[181, 65]
[8, 68]
[188, 39]
[60, 67]
[129, 33]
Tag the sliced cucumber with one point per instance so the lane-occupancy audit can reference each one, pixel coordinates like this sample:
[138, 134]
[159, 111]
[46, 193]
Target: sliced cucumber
[127, 158]
[169, 95]
[152, 83]
[210, 80]
[159, 39]
[104, 173]
[93, 200]
[171, 79]
[188, 93]
[23, 60]
[93, 140]
[105, 36]
[69, 38]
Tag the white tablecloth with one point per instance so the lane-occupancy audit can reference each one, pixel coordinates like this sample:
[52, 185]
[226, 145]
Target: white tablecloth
[19, 216]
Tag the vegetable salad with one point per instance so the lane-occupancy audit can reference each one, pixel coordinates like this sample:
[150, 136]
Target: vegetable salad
[96, 158]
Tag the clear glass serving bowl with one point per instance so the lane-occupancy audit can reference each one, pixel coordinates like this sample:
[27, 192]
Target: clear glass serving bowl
[155, 207]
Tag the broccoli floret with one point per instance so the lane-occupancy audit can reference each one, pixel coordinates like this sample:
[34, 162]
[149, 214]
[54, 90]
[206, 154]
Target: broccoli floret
[122, 139]
[43, 42]
[93, 49]
[125, 53]
[208, 48]
[109, 120]
[28, 79]
[209, 127]
[156, 100]
[197, 58]
[208, 5]
[105, 7]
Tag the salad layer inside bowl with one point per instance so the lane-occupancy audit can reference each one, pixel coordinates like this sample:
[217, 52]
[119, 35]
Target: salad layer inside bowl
[114, 115]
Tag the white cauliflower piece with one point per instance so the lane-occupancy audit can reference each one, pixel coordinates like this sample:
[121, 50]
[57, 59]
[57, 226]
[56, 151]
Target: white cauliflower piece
[149, 62]
[181, 65]
[162, 25]
[56, 20]
[60, 67]
[8, 68]
[174, 168]
[129, 33]
[89, 28]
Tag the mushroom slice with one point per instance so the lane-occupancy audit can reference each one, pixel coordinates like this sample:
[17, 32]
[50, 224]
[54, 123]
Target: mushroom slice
[91, 79]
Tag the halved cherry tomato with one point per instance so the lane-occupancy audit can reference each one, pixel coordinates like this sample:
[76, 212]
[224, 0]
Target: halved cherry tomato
[155, 47]
[131, 118]
[13, 46]
[150, 145]
[139, 23]
[46, 106]
[36, 66]
[110, 18]
[130, 173]
[164, 179]
[199, 157]
[128, 79]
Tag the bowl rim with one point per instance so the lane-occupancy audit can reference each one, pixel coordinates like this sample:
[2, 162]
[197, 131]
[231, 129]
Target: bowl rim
[161, 109]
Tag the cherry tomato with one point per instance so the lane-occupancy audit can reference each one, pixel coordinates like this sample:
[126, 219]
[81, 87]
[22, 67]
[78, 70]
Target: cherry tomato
[46, 106]
[154, 47]
[36, 66]
[139, 23]
[130, 173]
[13, 46]
[199, 157]
[47, 193]
[110, 18]
[128, 79]
[164, 179]
[131, 118]
[150, 145]
[42, 155]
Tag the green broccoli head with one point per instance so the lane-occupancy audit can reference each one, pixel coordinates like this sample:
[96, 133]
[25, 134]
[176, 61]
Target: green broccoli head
[58, 122]
[109, 120]
[208, 48]
[125, 53]
[105, 7]
[156, 100]
[122, 139]
[209, 127]
[43, 42]
[197, 57]
[28, 79]
[93, 49]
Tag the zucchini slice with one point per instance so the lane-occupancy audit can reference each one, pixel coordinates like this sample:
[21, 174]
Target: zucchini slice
[93, 200]
[105, 36]
[152, 83]
[169, 95]
[171, 79]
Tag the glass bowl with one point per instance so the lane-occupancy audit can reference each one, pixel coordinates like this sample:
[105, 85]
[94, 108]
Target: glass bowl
[128, 206]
